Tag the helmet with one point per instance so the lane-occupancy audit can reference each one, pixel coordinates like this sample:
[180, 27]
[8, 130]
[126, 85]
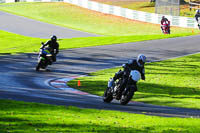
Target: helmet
[141, 59]
[163, 17]
[53, 38]
[197, 11]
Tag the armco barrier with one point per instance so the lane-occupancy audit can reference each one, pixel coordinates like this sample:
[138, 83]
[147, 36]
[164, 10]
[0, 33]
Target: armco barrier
[124, 12]
[135, 15]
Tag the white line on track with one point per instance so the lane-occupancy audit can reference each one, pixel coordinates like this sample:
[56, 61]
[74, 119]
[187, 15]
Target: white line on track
[61, 83]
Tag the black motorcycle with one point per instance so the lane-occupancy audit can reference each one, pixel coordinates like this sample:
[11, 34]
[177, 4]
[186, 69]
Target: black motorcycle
[113, 89]
[44, 58]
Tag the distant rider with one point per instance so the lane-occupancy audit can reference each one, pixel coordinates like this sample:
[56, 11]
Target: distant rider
[135, 64]
[164, 21]
[53, 44]
[197, 15]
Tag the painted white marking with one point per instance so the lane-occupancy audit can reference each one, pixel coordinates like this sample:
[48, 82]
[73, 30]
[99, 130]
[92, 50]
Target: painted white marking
[61, 83]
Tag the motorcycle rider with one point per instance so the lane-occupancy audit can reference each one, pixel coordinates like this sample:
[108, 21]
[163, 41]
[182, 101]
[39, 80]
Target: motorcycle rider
[163, 21]
[135, 64]
[197, 15]
[53, 44]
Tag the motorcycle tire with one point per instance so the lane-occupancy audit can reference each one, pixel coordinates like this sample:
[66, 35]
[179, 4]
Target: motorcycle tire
[107, 96]
[168, 31]
[38, 66]
[199, 26]
[127, 96]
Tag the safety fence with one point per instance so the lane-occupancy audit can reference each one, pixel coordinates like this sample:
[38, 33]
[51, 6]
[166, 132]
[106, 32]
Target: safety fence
[124, 12]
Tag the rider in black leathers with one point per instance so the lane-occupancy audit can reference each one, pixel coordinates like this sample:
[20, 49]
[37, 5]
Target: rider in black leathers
[197, 16]
[53, 44]
[135, 64]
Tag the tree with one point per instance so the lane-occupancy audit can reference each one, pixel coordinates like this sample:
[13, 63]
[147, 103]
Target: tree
[181, 1]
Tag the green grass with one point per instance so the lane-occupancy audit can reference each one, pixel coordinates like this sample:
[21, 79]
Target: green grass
[22, 117]
[173, 82]
[13, 43]
[72, 16]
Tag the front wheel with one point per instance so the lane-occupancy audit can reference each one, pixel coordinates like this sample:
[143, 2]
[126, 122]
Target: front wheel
[107, 96]
[127, 96]
[38, 66]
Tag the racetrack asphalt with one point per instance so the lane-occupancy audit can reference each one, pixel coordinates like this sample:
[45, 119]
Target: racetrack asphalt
[20, 81]
[29, 27]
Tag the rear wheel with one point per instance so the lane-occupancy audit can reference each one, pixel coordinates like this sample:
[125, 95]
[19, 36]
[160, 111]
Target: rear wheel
[107, 96]
[127, 96]
[168, 31]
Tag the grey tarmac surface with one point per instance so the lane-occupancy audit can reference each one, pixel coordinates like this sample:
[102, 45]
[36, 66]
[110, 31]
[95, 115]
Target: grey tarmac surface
[28, 27]
[20, 81]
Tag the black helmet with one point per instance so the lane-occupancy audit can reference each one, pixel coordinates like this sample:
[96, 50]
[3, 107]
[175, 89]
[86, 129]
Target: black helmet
[141, 59]
[53, 38]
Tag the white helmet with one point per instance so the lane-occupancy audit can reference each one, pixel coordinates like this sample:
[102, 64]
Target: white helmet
[197, 11]
[141, 59]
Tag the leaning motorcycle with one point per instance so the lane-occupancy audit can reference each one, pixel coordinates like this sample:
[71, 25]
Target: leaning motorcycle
[44, 58]
[113, 89]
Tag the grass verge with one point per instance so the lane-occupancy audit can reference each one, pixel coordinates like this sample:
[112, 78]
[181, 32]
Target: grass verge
[21, 117]
[12, 43]
[75, 17]
[173, 82]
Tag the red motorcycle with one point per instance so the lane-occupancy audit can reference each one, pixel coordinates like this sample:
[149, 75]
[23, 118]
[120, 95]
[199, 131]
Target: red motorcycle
[166, 27]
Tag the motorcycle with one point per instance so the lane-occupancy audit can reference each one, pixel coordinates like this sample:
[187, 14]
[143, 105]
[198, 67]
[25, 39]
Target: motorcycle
[166, 28]
[198, 23]
[44, 58]
[113, 89]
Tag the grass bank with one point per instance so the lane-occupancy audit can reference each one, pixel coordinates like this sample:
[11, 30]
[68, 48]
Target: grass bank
[22, 117]
[147, 6]
[173, 82]
[72, 16]
[14, 43]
